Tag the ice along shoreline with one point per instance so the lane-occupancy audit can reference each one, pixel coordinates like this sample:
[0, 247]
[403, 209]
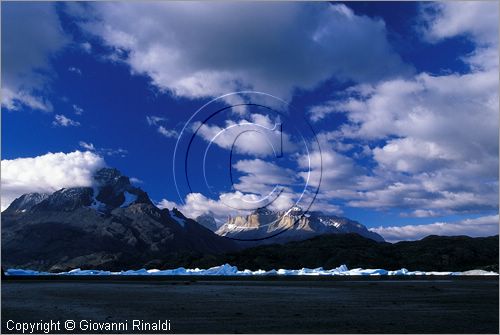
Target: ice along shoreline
[229, 270]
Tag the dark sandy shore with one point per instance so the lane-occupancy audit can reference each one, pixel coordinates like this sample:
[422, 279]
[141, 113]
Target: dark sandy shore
[420, 305]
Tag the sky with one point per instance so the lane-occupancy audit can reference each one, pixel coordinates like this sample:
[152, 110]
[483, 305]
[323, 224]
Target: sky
[383, 112]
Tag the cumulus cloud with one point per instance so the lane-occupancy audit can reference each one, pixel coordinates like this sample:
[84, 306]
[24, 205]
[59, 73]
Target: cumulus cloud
[338, 176]
[64, 121]
[197, 204]
[259, 184]
[258, 136]
[13, 100]
[198, 49]
[261, 177]
[478, 19]
[47, 173]
[237, 203]
[482, 226]
[328, 167]
[441, 140]
[433, 139]
[25, 65]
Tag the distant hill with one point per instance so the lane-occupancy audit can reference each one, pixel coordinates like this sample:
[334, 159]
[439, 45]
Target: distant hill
[433, 253]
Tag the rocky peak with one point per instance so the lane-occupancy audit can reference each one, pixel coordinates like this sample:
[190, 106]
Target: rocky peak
[108, 176]
[26, 202]
[111, 187]
[67, 199]
[178, 213]
[297, 223]
[115, 190]
[111, 190]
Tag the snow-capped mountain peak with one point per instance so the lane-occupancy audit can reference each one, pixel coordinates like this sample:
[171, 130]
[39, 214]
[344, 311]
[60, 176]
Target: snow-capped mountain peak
[294, 223]
[26, 202]
[111, 190]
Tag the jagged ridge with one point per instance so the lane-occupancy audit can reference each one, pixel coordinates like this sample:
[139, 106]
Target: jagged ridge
[294, 223]
[112, 225]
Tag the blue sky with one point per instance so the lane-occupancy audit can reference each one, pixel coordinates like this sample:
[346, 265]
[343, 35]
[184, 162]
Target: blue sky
[402, 99]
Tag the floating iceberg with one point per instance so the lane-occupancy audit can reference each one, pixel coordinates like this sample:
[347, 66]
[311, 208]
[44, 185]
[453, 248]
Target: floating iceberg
[229, 270]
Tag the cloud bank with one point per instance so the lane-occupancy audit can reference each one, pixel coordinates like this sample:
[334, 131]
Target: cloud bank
[482, 226]
[47, 173]
[432, 139]
[199, 50]
[27, 46]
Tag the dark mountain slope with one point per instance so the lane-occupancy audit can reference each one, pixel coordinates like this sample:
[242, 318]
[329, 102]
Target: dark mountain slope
[433, 253]
[112, 226]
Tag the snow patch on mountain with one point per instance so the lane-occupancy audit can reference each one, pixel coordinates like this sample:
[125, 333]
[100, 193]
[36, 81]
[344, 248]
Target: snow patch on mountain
[129, 199]
[294, 223]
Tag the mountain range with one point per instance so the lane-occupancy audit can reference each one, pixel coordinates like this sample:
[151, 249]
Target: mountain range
[111, 225]
[114, 225]
[265, 226]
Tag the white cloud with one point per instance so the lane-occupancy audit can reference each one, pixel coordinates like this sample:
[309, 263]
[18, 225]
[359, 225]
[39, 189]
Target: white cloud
[260, 177]
[259, 136]
[238, 203]
[63, 121]
[87, 146]
[478, 19]
[77, 109]
[338, 176]
[47, 173]
[26, 64]
[414, 155]
[196, 49]
[439, 134]
[14, 100]
[268, 184]
[445, 148]
[169, 133]
[197, 204]
[159, 123]
[482, 226]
